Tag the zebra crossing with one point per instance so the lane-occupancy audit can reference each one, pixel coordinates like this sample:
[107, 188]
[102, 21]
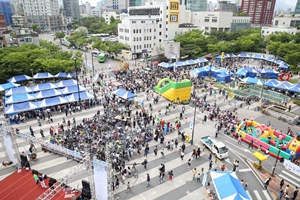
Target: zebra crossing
[290, 177]
[181, 187]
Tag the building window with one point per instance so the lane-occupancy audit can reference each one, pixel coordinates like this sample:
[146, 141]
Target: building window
[206, 28]
[140, 46]
[154, 37]
[159, 33]
[140, 30]
[154, 30]
[276, 22]
[150, 30]
[214, 20]
[166, 36]
[121, 30]
[144, 45]
[166, 29]
[122, 37]
[28, 40]
[160, 26]
[206, 19]
[159, 40]
[133, 30]
[142, 22]
[134, 22]
[144, 37]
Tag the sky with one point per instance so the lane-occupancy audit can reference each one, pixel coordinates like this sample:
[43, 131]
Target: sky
[289, 3]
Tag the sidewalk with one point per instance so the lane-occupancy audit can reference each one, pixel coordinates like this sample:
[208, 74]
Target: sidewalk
[263, 174]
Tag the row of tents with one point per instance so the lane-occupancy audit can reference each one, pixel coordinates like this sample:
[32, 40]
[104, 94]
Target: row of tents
[40, 75]
[273, 83]
[183, 63]
[48, 102]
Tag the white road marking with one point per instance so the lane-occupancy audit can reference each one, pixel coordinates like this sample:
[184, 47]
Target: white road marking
[245, 170]
[287, 179]
[249, 195]
[267, 195]
[257, 195]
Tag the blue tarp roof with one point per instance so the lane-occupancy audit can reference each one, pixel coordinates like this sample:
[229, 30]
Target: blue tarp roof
[295, 88]
[285, 85]
[83, 95]
[19, 107]
[65, 83]
[124, 94]
[42, 75]
[19, 78]
[228, 186]
[65, 75]
[271, 83]
[19, 98]
[72, 89]
[19, 90]
[253, 81]
[47, 93]
[44, 86]
[7, 86]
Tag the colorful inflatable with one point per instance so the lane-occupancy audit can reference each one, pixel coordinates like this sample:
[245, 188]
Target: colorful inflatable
[174, 90]
[269, 139]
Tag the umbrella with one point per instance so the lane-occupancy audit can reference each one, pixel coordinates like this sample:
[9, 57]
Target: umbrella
[7, 86]
[42, 75]
[19, 78]
[155, 63]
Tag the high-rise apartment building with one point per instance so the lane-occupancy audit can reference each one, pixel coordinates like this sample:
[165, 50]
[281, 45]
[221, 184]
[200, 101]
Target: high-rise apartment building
[260, 11]
[195, 5]
[297, 9]
[88, 8]
[71, 8]
[6, 10]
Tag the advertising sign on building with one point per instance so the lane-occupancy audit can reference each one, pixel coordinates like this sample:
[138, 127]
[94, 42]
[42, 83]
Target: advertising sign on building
[172, 50]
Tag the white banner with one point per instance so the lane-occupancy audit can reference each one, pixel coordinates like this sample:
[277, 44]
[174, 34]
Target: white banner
[9, 150]
[291, 166]
[100, 179]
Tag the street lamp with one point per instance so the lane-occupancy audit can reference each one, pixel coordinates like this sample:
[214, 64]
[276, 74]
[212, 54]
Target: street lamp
[93, 64]
[232, 45]
[273, 170]
[209, 64]
[32, 74]
[193, 130]
[78, 92]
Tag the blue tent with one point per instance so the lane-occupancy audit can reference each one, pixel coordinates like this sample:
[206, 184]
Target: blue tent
[52, 102]
[19, 98]
[230, 55]
[269, 73]
[64, 75]
[65, 83]
[228, 186]
[271, 83]
[283, 66]
[257, 56]
[162, 64]
[201, 72]
[252, 81]
[250, 72]
[44, 86]
[217, 71]
[19, 78]
[179, 64]
[83, 95]
[241, 72]
[271, 59]
[201, 60]
[190, 62]
[42, 75]
[223, 77]
[47, 93]
[124, 94]
[72, 89]
[19, 107]
[7, 86]
[166, 65]
[295, 88]
[284, 85]
[243, 55]
[19, 90]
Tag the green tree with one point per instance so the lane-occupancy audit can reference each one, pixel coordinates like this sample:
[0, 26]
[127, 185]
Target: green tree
[82, 31]
[35, 28]
[60, 35]
[112, 19]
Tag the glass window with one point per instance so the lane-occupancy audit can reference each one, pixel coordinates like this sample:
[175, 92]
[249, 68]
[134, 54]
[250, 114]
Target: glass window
[206, 19]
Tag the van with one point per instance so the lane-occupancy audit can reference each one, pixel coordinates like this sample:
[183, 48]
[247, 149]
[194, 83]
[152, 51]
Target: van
[95, 53]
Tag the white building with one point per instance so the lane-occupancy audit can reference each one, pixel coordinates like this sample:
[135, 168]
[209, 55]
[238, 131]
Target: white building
[96, 12]
[287, 21]
[270, 30]
[107, 15]
[18, 20]
[153, 23]
[88, 8]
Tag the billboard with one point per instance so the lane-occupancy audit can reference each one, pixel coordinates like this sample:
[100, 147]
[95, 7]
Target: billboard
[172, 50]
[174, 11]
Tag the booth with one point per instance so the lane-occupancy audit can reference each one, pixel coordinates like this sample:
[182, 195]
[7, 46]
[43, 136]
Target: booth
[223, 78]
[259, 159]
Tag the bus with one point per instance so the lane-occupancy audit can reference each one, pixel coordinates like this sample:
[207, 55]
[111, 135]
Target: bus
[101, 57]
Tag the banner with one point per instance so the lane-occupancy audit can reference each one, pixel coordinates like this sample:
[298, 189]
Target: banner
[9, 150]
[100, 179]
[291, 166]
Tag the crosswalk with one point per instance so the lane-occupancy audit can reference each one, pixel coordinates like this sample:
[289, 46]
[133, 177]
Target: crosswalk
[181, 187]
[290, 177]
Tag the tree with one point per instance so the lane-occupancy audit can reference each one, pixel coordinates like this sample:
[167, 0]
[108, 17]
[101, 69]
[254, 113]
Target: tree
[35, 28]
[82, 31]
[112, 19]
[60, 35]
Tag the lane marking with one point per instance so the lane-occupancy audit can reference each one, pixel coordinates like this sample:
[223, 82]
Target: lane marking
[257, 195]
[287, 179]
[245, 170]
[267, 195]
[248, 193]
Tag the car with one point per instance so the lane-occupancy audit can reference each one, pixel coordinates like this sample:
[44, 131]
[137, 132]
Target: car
[143, 60]
[95, 53]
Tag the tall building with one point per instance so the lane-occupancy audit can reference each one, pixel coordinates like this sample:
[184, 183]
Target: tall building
[196, 5]
[133, 3]
[260, 11]
[117, 5]
[6, 10]
[88, 8]
[297, 9]
[71, 8]
[227, 6]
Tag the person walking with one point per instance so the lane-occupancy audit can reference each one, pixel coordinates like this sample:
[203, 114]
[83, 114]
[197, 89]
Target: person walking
[194, 172]
[210, 157]
[295, 193]
[36, 178]
[42, 133]
[148, 180]
[41, 179]
[281, 184]
[198, 177]
[170, 175]
[155, 150]
[31, 131]
[210, 165]
[267, 182]
[189, 164]
[145, 163]
[162, 152]
[251, 144]
[240, 139]
[183, 147]
[280, 195]
[161, 177]
[217, 132]
[181, 155]
[128, 187]
[287, 188]
[176, 143]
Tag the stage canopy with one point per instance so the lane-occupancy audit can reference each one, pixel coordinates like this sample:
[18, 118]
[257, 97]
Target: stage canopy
[42, 75]
[7, 86]
[20, 107]
[271, 83]
[44, 86]
[253, 81]
[64, 75]
[65, 83]
[19, 90]
[228, 186]
[124, 94]
[19, 78]
[19, 98]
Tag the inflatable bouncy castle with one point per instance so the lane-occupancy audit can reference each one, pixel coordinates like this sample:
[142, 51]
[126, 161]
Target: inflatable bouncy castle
[269, 139]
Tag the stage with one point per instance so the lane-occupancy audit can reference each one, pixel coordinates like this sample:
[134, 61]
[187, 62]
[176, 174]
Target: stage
[22, 186]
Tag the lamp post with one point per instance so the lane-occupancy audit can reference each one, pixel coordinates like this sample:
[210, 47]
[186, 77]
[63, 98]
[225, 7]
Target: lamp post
[32, 74]
[209, 64]
[193, 130]
[93, 64]
[273, 170]
[232, 45]
[78, 92]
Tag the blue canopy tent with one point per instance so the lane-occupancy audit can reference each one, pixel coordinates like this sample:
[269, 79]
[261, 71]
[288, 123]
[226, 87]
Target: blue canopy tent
[269, 73]
[47, 93]
[295, 88]
[228, 186]
[201, 60]
[241, 72]
[230, 55]
[19, 78]
[223, 77]
[64, 75]
[279, 62]
[166, 65]
[83, 95]
[7, 86]
[284, 85]
[257, 56]
[65, 83]
[190, 62]
[44, 86]
[72, 89]
[271, 83]
[19, 107]
[251, 72]
[283, 66]
[243, 55]
[202, 72]
[52, 102]
[270, 59]
[252, 81]
[215, 72]
[19, 98]
[42, 75]
[179, 64]
[124, 94]
[210, 68]
[19, 90]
